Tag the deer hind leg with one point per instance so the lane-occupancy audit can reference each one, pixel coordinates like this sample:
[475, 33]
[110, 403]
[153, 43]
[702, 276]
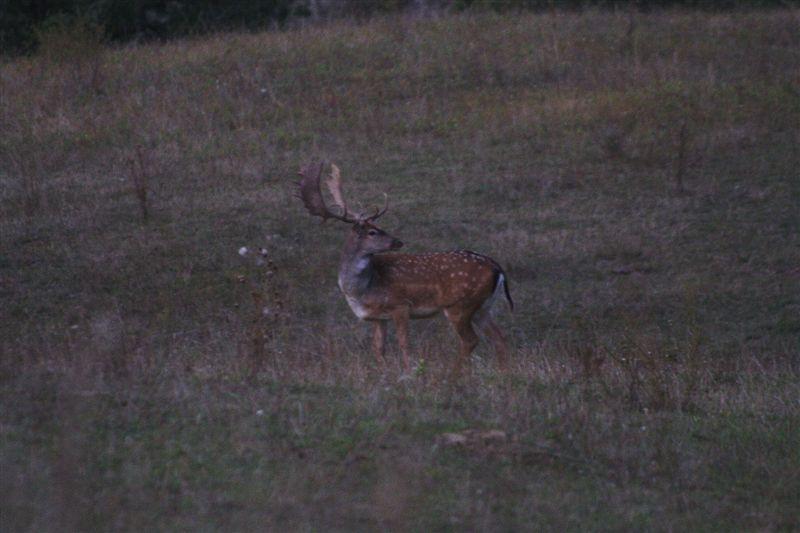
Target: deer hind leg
[400, 318]
[461, 319]
[483, 320]
[379, 340]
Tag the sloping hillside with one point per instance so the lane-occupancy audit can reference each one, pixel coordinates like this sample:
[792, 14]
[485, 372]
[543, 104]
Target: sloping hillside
[637, 177]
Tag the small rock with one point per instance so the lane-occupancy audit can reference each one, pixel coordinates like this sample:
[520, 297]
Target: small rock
[493, 435]
[452, 439]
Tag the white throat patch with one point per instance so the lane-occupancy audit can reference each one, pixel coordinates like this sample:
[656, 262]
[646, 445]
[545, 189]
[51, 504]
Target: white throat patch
[359, 310]
[362, 264]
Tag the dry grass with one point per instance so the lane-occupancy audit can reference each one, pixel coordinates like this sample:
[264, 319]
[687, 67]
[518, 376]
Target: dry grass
[636, 177]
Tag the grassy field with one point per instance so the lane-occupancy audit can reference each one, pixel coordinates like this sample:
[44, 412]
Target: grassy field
[637, 176]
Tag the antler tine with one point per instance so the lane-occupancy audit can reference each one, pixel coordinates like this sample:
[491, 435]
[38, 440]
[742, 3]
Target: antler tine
[310, 193]
[379, 214]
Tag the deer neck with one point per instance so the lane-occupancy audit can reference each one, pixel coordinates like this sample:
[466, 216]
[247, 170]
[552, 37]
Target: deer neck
[355, 273]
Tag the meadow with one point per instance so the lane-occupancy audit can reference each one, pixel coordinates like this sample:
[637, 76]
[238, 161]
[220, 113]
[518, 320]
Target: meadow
[636, 175]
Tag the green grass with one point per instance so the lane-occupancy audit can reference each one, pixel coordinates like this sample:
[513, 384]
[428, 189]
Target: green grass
[656, 342]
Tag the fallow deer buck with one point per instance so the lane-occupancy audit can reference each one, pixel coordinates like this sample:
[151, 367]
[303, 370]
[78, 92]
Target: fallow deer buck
[380, 286]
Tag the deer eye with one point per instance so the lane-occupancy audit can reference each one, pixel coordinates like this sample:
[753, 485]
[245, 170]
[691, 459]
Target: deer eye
[372, 232]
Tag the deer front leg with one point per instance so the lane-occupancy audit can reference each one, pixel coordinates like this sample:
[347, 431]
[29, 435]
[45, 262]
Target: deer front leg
[379, 340]
[401, 317]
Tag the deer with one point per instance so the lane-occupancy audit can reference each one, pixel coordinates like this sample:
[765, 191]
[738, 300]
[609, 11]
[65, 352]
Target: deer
[381, 284]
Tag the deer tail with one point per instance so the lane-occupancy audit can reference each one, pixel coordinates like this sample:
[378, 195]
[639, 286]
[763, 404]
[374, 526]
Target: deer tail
[502, 279]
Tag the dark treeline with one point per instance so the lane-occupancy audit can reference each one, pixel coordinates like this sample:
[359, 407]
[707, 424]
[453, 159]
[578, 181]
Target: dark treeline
[124, 20]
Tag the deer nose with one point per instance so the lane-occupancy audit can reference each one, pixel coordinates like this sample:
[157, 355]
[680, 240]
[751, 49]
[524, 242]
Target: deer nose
[396, 244]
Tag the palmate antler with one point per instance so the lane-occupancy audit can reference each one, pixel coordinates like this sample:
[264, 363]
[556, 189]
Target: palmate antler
[310, 192]
[334, 183]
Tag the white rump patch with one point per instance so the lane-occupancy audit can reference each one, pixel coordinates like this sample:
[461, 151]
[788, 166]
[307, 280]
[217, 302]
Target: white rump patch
[487, 309]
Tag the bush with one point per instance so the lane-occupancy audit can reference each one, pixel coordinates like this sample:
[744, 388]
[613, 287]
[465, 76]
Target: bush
[69, 39]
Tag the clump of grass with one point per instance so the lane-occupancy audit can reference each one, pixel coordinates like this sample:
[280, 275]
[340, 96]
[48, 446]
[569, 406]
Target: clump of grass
[29, 176]
[267, 308]
[681, 159]
[140, 179]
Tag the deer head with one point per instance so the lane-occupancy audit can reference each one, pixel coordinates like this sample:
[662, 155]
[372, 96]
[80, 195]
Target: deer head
[365, 237]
